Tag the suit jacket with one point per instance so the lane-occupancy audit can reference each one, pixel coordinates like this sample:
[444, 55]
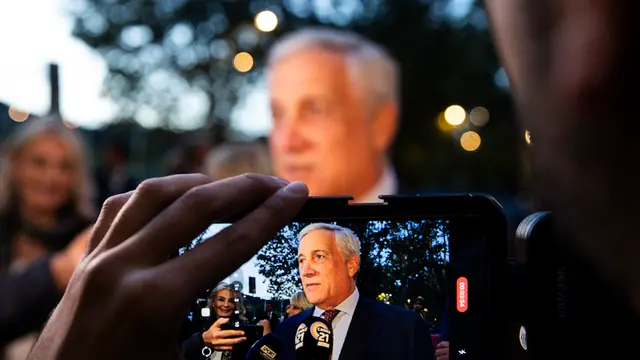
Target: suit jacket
[274, 320]
[377, 331]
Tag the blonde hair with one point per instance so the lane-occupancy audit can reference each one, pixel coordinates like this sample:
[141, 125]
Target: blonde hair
[237, 158]
[237, 298]
[83, 190]
[299, 300]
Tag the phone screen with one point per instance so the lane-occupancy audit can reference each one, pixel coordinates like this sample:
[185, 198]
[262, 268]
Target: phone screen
[437, 266]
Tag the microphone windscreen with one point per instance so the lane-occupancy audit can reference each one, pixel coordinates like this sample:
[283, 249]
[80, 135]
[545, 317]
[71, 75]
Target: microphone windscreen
[269, 347]
[314, 339]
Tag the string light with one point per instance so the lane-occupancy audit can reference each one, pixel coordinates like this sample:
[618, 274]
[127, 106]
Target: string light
[455, 115]
[470, 141]
[479, 116]
[266, 21]
[243, 62]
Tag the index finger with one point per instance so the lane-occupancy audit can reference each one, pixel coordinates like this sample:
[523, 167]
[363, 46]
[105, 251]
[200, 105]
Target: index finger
[193, 212]
[442, 344]
[216, 258]
[220, 321]
[110, 209]
[229, 333]
[147, 201]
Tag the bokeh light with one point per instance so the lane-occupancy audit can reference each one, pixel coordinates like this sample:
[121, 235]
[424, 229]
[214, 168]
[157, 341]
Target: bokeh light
[470, 141]
[243, 62]
[266, 21]
[527, 137]
[479, 116]
[18, 115]
[384, 297]
[442, 124]
[455, 115]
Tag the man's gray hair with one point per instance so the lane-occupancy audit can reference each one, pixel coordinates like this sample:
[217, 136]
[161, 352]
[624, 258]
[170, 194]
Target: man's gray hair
[347, 241]
[371, 68]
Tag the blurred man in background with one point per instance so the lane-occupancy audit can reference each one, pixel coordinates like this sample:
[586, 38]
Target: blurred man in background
[113, 176]
[334, 99]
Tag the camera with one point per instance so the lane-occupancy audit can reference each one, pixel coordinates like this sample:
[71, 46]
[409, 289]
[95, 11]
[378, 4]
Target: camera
[567, 310]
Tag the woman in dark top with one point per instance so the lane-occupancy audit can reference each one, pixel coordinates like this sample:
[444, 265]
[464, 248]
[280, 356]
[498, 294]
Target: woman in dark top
[45, 202]
[225, 304]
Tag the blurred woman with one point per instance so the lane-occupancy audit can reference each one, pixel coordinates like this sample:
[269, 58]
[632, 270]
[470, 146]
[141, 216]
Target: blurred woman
[298, 304]
[225, 303]
[237, 158]
[45, 199]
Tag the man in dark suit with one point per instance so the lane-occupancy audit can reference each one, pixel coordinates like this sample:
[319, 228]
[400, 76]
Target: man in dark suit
[329, 259]
[112, 177]
[272, 316]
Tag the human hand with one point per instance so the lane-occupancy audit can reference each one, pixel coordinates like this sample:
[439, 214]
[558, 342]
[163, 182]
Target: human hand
[442, 350]
[220, 339]
[127, 299]
[64, 262]
[266, 325]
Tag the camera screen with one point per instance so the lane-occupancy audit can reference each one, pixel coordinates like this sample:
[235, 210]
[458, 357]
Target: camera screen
[434, 267]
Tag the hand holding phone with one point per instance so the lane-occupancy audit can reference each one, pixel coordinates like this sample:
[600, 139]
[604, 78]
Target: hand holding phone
[220, 339]
[442, 351]
[265, 325]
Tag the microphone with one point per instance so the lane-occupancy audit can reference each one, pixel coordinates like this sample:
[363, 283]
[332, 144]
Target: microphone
[269, 347]
[314, 339]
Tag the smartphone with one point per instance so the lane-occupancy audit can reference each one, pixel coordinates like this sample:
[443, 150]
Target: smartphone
[252, 332]
[451, 250]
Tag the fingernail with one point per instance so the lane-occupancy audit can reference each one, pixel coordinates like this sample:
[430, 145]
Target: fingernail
[296, 188]
[280, 181]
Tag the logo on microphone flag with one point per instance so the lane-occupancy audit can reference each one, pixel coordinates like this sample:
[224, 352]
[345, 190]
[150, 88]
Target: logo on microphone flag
[321, 332]
[300, 335]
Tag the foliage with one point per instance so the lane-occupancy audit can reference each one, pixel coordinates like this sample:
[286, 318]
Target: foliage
[278, 262]
[401, 258]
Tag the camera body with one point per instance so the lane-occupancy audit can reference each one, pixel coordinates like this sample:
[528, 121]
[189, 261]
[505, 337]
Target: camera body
[567, 309]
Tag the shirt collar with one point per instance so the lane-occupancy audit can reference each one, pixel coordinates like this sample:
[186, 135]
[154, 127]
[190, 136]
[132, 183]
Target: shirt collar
[348, 306]
[387, 185]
